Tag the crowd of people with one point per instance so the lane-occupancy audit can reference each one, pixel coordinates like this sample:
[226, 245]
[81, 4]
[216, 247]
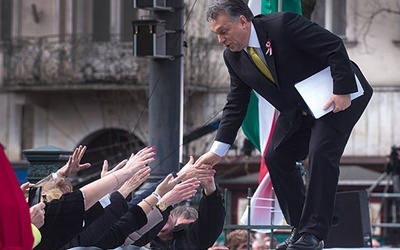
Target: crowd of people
[98, 214]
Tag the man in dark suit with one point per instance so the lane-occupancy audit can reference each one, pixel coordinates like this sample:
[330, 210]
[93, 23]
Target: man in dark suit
[293, 48]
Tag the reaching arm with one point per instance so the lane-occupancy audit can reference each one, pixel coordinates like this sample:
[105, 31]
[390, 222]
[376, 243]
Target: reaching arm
[96, 190]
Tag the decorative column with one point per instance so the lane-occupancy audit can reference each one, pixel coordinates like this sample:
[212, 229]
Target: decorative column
[44, 161]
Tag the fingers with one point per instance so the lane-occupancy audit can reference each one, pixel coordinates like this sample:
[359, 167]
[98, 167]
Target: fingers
[339, 102]
[139, 177]
[81, 152]
[104, 169]
[120, 165]
[191, 160]
[199, 161]
[143, 157]
[143, 173]
[328, 104]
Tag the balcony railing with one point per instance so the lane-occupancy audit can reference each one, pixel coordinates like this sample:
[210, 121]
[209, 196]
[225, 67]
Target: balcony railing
[67, 60]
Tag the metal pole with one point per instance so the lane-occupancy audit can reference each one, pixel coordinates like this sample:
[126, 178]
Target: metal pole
[329, 15]
[248, 216]
[166, 102]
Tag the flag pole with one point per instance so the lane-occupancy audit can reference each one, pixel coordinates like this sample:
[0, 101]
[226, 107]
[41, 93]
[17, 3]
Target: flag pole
[279, 5]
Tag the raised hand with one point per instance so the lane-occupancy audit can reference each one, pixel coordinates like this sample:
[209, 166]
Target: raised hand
[168, 184]
[196, 171]
[135, 181]
[73, 165]
[181, 192]
[208, 158]
[140, 159]
[105, 172]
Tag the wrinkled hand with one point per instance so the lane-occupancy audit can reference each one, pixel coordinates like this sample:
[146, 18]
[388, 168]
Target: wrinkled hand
[37, 214]
[181, 192]
[105, 172]
[140, 159]
[207, 182]
[195, 171]
[168, 184]
[73, 165]
[208, 158]
[135, 181]
[339, 102]
[25, 188]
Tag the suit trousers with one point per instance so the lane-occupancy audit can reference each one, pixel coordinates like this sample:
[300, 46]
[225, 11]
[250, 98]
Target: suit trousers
[308, 208]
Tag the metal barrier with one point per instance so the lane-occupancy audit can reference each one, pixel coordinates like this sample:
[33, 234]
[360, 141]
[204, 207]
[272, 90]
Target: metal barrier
[249, 227]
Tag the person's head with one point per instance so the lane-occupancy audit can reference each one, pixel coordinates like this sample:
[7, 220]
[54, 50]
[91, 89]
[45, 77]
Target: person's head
[179, 215]
[184, 214]
[237, 240]
[230, 20]
[54, 188]
[259, 244]
[168, 229]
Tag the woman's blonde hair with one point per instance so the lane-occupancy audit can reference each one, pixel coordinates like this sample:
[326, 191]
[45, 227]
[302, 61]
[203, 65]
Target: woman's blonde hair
[54, 188]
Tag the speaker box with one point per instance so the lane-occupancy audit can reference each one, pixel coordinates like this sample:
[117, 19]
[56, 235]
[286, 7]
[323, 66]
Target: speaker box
[351, 226]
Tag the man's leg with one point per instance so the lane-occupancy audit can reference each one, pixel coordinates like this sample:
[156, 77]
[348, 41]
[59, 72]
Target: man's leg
[325, 150]
[285, 174]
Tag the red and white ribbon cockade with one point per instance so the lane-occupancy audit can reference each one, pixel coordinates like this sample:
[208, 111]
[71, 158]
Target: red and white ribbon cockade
[268, 45]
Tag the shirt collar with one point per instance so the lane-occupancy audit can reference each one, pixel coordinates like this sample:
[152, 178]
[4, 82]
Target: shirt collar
[253, 40]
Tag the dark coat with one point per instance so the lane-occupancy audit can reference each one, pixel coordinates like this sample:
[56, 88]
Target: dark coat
[202, 233]
[300, 49]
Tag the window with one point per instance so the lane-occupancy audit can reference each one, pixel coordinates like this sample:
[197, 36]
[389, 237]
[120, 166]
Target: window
[5, 19]
[101, 20]
[128, 13]
[337, 12]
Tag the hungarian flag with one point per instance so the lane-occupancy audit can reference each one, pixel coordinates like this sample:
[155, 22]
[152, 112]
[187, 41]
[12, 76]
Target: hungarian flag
[258, 126]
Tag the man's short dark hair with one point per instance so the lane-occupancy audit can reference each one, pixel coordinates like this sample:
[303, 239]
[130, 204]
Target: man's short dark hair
[186, 212]
[233, 8]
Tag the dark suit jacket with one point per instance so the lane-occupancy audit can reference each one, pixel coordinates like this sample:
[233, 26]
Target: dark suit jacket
[300, 48]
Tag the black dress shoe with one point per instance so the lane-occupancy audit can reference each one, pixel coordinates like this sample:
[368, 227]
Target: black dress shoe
[294, 236]
[307, 242]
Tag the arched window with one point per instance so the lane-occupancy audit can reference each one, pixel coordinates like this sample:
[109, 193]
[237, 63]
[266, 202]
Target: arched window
[113, 145]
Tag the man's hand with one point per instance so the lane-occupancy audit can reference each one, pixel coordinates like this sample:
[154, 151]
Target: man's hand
[339, 102]
[208, 158]
[181, 192]
[208, 182]
[192, 171]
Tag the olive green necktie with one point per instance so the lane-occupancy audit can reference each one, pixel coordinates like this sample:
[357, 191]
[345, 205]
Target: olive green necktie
[259, 63]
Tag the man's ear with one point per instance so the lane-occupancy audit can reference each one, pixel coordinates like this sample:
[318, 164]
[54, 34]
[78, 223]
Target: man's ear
[243, 21]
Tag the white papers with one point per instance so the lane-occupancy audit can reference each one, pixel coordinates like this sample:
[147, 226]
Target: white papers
[317, 89]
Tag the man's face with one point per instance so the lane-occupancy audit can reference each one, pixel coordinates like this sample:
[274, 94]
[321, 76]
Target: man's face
[233, 35]
[182, 220]
[166, 232]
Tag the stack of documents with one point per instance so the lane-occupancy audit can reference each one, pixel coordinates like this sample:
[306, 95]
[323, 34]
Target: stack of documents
[317, 89]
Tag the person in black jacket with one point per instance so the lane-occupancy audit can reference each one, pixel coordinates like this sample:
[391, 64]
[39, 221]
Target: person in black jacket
[270, 54]
[65, 217]
[202, 232]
